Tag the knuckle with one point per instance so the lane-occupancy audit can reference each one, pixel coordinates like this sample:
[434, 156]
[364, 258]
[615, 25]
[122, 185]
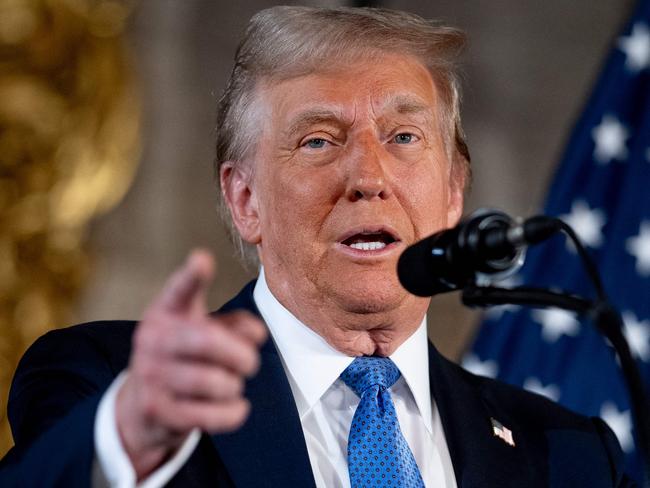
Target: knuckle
[188, 419]
[192, 381]
[259, 334]
[182, 416]
[238, 385]
[244, 316]
[148, 371]
[151, 334]
[141, 338]
[232, 417]
[150, 408]
[251, 362]
[228, 385]
[239, 414]
[196, 338]
[262, 331]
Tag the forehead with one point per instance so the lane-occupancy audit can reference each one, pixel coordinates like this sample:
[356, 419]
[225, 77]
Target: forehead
[391, 83]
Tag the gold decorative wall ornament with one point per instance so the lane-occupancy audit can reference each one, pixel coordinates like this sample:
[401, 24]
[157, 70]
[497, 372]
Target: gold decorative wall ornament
[69, 128]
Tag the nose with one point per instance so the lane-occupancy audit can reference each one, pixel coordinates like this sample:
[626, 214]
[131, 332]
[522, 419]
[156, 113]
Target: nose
[367, 178]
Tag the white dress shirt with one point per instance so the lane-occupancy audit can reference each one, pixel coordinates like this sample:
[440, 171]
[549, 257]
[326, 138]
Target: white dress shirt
[325, 404]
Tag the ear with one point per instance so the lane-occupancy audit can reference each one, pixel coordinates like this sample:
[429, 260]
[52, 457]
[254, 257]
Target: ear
[456, 195]
[239, 195]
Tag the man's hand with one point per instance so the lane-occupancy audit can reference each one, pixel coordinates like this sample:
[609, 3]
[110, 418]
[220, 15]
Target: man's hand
[186, 369]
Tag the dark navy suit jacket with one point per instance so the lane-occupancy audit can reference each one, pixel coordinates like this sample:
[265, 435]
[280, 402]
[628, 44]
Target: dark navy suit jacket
[62, 377]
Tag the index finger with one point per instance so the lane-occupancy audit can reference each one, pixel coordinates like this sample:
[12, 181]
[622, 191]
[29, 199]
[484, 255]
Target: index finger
[189, 283]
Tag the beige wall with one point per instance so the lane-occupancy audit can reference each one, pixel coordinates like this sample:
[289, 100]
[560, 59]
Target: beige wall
[529, 67]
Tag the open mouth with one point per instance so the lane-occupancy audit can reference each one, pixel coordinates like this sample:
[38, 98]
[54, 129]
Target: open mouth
[370, 240]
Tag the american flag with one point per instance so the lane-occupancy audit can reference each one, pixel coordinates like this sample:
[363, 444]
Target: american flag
[601, 189]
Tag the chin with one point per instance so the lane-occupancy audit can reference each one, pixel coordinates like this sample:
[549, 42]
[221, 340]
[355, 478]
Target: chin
[366, 293]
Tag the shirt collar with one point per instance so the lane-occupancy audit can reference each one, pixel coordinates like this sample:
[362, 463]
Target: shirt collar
[412, 359]
[312, 365]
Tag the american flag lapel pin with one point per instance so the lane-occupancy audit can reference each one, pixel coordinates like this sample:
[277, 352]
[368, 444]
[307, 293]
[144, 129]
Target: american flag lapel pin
[502, 432]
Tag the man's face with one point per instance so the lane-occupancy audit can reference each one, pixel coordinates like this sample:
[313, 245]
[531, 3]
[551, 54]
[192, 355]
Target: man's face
[350, 169]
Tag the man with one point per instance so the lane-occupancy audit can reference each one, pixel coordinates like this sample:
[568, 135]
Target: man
[339, 144]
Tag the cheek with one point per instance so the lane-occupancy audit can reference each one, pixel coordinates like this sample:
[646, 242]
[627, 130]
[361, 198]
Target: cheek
[425, 199]
[298, 204]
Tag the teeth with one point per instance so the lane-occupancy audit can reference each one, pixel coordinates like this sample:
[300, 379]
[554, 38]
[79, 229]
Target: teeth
[368, 246]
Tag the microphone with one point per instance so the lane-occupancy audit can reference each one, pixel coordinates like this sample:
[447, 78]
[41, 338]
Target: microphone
[486, 246]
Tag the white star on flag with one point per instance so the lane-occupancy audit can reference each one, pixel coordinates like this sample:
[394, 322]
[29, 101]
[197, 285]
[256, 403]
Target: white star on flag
[551, 392]
[609, 137]
[637, 333]
[621, 424]
[639, 247]
[472, 363]
[556, 322]
[636, 47]
[588, 223]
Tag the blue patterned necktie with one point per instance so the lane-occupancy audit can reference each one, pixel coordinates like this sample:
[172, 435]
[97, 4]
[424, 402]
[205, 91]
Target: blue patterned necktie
[378, 454]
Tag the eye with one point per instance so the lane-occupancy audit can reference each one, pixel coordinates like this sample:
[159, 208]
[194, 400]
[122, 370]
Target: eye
[316, 143]
[404, 138]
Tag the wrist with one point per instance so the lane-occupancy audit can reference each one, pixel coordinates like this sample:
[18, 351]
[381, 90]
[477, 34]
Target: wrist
[146, 444]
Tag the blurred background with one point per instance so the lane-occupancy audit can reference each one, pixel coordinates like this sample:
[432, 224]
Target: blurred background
[107, 111]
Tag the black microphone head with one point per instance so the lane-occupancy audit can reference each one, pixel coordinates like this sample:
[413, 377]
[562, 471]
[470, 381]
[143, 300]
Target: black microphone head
[455, 258]
[416, 265]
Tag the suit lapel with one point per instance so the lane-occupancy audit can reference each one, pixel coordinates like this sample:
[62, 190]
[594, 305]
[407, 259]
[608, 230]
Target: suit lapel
[480, 458]
[269, 450]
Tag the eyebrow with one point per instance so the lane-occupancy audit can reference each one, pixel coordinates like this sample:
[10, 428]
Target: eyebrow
[409, 105]
[400, 103]
[312, 117]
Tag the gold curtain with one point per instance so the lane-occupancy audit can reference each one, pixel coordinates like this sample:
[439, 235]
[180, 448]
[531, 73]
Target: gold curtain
[69, 129]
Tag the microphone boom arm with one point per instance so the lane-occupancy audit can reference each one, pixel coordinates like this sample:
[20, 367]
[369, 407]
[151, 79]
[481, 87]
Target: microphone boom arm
[607, 320]
[489, 244]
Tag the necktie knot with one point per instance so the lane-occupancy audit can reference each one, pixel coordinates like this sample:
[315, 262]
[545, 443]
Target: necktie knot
[365, 372]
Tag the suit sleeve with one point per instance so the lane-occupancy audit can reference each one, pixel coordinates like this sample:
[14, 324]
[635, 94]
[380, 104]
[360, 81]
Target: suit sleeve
[52, 405]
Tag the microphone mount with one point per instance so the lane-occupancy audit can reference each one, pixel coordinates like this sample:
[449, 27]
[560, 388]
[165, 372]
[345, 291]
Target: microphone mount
[485, 247]
[489, 245]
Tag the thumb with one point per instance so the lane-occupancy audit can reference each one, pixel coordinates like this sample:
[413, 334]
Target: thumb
[186, 288]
